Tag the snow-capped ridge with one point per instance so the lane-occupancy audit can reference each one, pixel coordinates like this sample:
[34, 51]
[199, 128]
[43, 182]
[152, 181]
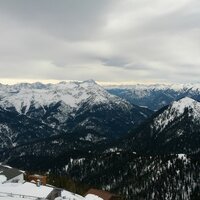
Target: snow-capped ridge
[177, 109]
[184, 103]
[155, 96]
[90, 81]
[157, 86]
[186, 100]
[24, 95]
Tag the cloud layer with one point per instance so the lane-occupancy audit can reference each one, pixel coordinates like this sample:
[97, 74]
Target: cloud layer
[107, 40]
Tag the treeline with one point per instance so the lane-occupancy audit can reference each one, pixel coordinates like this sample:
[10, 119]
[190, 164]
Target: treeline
[173, 177]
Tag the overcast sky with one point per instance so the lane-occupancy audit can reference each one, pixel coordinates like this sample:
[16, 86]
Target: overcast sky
[105, 40]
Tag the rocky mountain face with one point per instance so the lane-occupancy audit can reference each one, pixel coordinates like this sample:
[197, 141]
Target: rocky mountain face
[173, 129]
[155, 96]
[18, 129]
[37, 111]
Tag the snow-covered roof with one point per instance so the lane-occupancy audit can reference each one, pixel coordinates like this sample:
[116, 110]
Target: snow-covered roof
[92, 197]
[26, 189]
[3, 178]
[95, 194]
[8, 172]
[70, 195]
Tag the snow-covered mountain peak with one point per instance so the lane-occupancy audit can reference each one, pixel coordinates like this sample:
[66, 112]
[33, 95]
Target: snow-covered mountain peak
[20, 86]
[72, 94]
[72, 106]
[90, 81]
[176, 110]
[184, 103]
[186, 100]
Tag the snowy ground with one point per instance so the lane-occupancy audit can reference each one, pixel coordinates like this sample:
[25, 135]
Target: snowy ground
[29, 191]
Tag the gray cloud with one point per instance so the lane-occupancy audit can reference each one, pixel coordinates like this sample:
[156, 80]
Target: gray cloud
[106, 40]
[115, 62]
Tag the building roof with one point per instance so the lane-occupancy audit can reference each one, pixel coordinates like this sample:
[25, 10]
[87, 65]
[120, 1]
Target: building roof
[9, 172]
[102, 194]
[27, 189]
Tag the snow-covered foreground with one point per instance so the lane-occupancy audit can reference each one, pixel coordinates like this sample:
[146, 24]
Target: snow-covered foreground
[30, 191]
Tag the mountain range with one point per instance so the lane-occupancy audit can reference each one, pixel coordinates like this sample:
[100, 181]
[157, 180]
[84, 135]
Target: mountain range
[106, 137]
[34, 111]
[155, 96]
